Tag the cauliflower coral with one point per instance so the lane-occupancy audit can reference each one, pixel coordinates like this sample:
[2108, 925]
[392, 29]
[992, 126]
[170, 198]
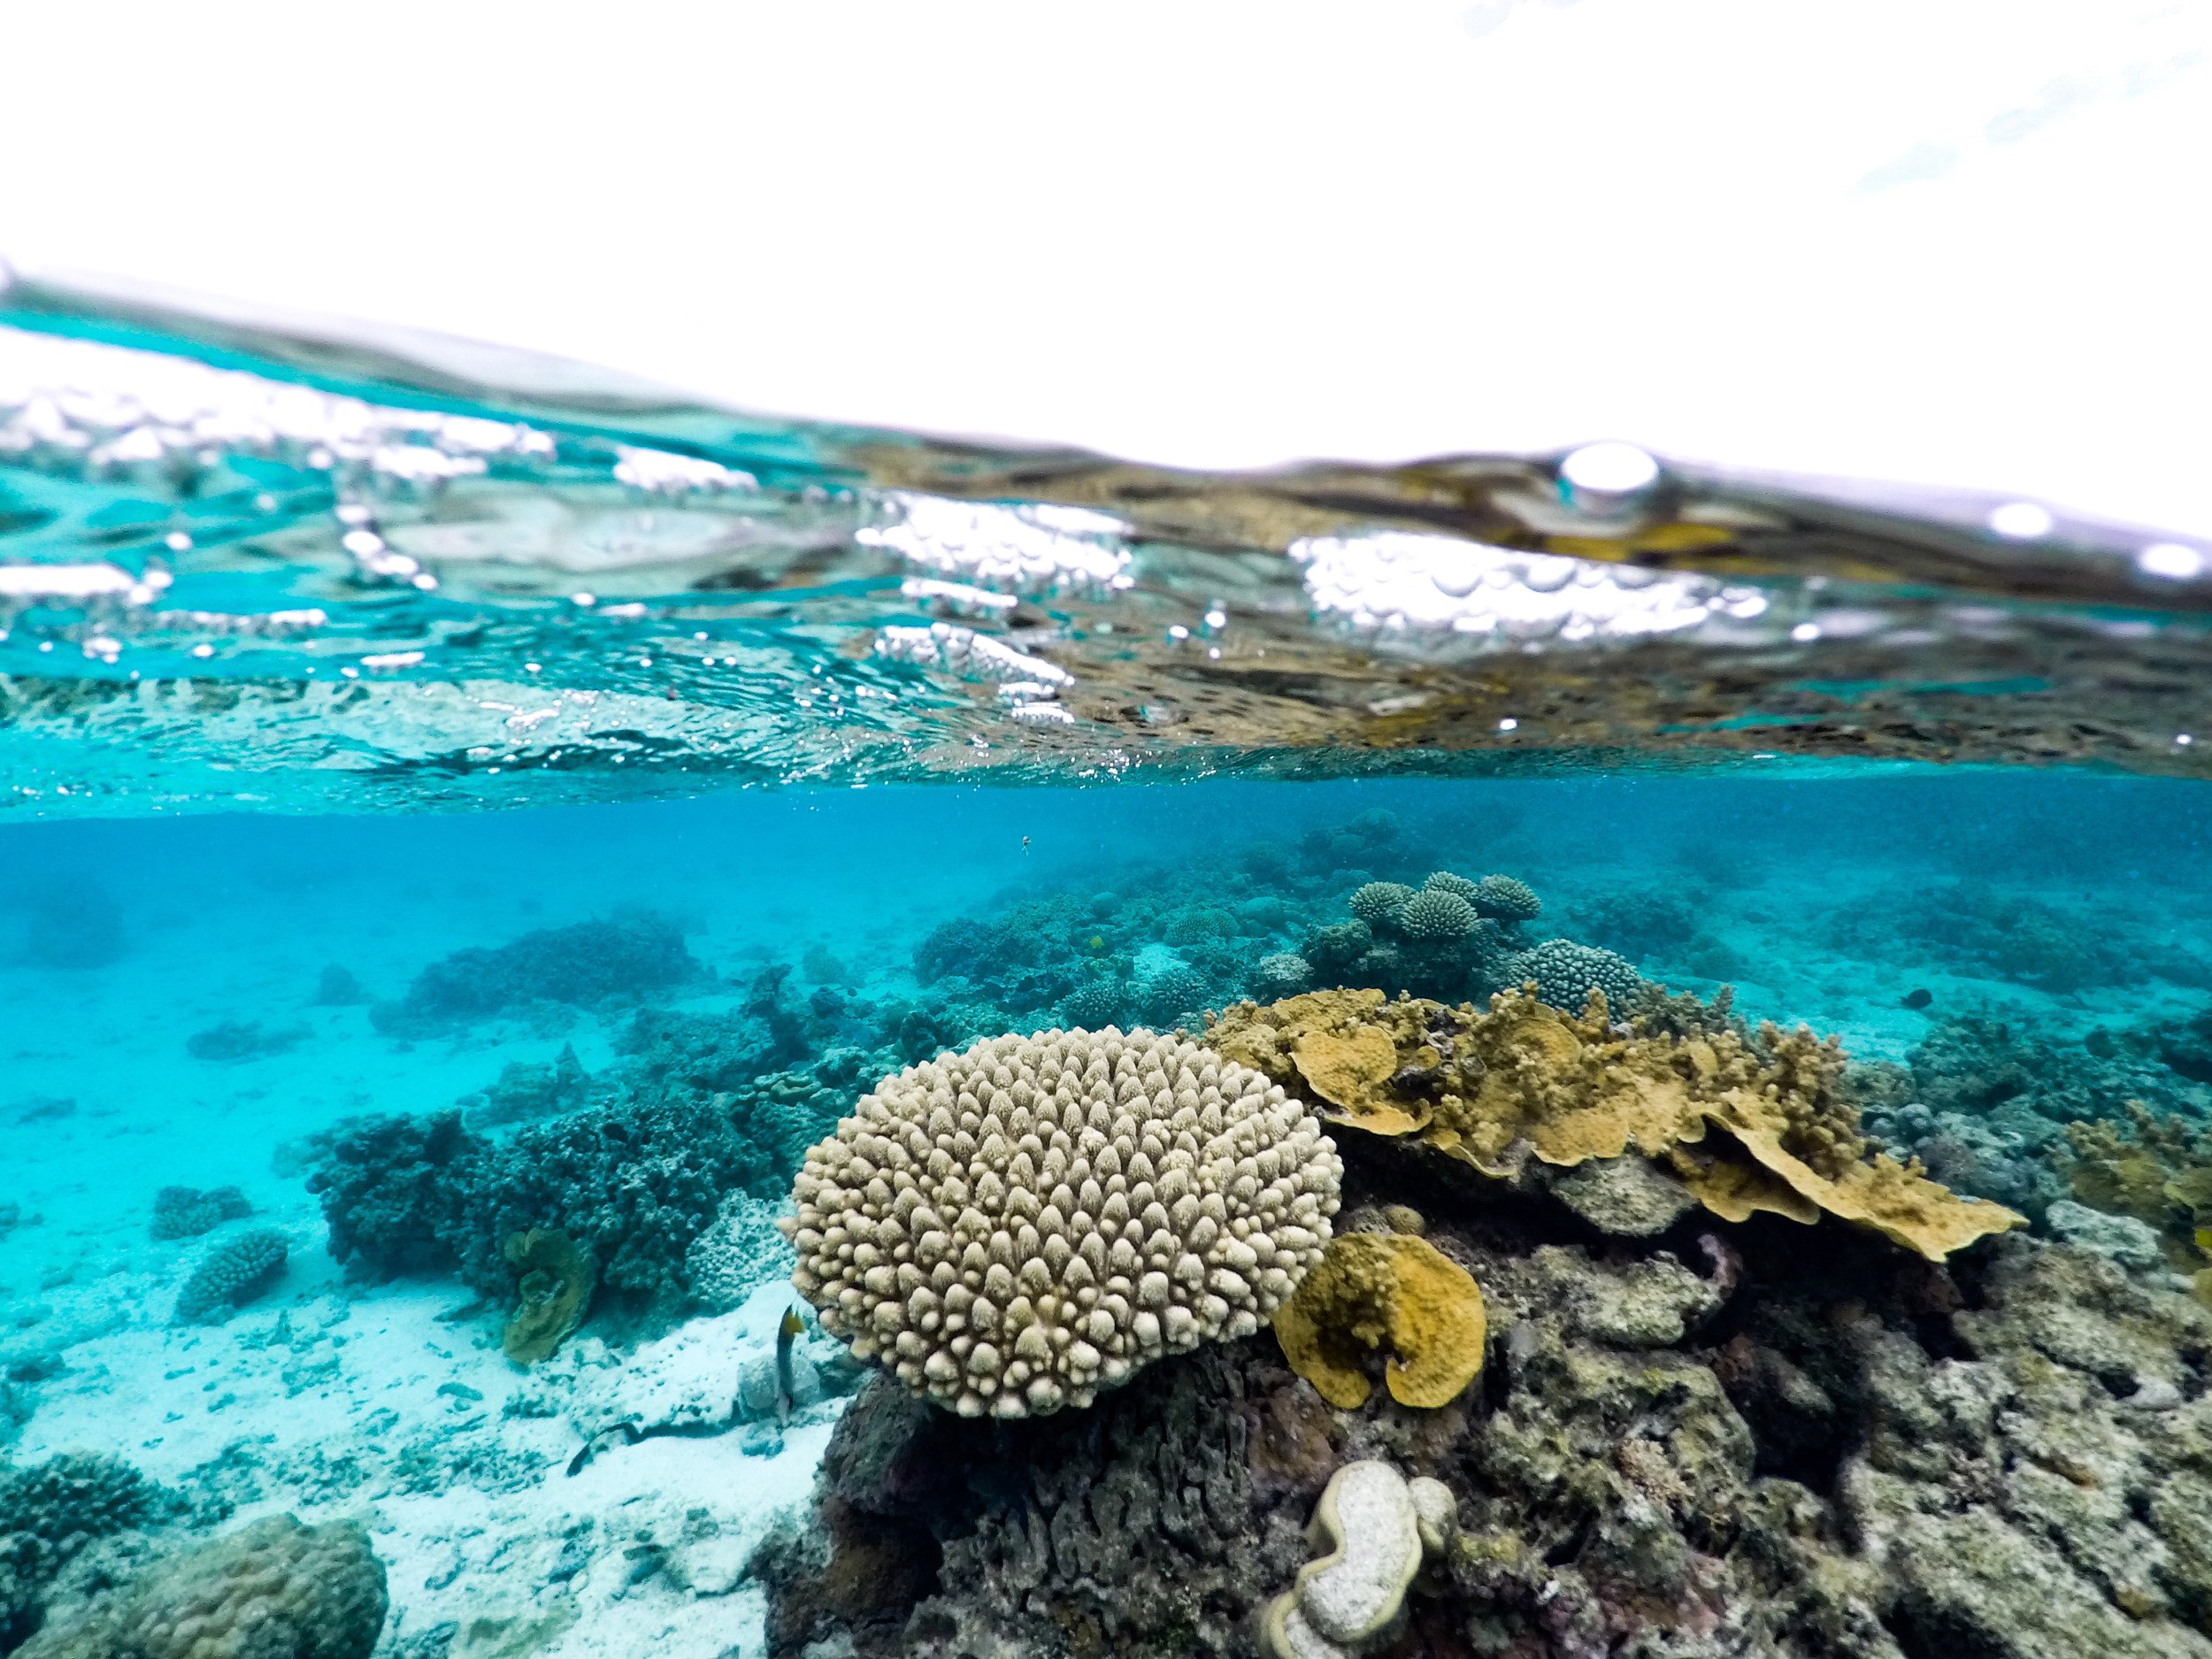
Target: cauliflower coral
[1011, 1229]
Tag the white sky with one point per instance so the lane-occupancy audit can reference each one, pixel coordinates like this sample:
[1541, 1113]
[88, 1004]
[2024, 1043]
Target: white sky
[1958, 240]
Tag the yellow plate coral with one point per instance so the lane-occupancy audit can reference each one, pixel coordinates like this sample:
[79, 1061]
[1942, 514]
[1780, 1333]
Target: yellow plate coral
[1490, 1088]
[1384, 1291]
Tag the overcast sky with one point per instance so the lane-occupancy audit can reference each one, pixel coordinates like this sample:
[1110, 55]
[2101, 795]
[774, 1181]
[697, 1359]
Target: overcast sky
[1958, 240]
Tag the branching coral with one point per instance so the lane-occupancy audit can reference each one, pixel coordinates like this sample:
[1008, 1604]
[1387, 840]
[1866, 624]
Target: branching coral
[1526, 1079]
[1380, 900]
[1504, 899]
[1375, 1292]
[1014, 1228]
[1435, 914]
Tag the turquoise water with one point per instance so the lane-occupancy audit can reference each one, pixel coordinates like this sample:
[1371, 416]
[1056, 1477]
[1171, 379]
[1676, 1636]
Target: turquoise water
[437, 919]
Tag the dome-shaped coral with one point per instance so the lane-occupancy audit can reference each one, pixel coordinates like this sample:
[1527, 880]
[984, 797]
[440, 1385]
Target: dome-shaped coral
[1565, 973]
[1174, 992]
[1094, 1003]
[1434, 914]
[1445, 881]
[1285, 973]
[1379, 901]
[1014, 1228]
[1507, 900]
[231, 1275]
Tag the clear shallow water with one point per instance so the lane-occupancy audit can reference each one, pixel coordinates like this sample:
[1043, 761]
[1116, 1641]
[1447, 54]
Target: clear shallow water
[295, 1047]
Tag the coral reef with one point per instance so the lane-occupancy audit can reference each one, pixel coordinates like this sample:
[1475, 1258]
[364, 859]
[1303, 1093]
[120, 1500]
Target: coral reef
[230, 1275]
[336, 987]
[1505, 898]
[553, 1290]
[1435, 915]
[186, 1213]
[1380, 901]
[588, 964]
[1375, 1291]
[1285, 973]
[527, 1092]
[1525, 1081]
[1791, 1454]
[66, 921]
[1974, 928]
[274, 1589]
[2158, 1172]
[688, 1116]
[1014, 1228]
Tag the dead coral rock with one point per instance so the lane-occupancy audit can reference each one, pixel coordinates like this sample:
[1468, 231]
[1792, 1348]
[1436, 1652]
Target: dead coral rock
[1376, 1291]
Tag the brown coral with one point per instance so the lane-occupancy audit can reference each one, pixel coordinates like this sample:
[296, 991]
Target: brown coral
[1525, 1080]
[2160, 1171]
[1374, 1291]
[557, 1279]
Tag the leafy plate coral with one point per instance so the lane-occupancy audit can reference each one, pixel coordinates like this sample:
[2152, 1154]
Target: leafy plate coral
[1524, 1080]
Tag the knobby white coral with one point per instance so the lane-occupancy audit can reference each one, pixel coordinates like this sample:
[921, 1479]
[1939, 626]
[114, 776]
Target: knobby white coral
[1012, 1229]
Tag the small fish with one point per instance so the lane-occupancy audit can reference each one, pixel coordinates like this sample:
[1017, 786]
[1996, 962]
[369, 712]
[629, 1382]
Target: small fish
[785, 1334]
[1098, 942]
[1918, 998]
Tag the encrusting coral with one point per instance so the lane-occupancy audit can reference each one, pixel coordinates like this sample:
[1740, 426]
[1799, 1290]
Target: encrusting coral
[1384, 1291]
[1011, 1229]
[1492, 1089]
[272, 1590]
[557, 1277]
[1379, 1528]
